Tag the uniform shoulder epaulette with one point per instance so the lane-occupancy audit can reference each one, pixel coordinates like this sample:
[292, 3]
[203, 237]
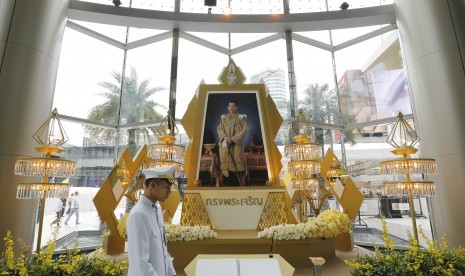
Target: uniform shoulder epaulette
[242, 116]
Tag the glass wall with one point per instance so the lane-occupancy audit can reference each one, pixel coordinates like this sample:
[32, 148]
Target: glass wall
[86, 65]
[368, 76]
[146, 90]
[196, 64]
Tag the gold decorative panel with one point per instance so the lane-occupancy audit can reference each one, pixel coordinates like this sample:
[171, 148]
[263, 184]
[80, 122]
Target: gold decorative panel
[274, 212]
[350, 198]
[194, 212]
[170, 205]
[113, 189]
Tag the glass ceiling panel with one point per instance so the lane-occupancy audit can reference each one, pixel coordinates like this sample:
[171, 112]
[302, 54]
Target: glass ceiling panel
[304, 6]
[159, 5]
[234, 7]
[246, 6]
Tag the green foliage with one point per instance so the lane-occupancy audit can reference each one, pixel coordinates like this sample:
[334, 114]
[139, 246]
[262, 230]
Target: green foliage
[70, 263]
[436, 259]
[320, 105]
[135, 106]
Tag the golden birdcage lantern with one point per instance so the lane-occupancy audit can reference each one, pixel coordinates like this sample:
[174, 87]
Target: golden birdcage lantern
[403, 138]
[50, 137]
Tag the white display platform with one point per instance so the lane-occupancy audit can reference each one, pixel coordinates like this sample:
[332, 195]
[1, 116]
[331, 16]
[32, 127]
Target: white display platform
[240, 264]
[237, 267]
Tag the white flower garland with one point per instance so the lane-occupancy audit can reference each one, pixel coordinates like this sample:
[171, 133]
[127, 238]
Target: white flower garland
[176, 232]
[328, 224]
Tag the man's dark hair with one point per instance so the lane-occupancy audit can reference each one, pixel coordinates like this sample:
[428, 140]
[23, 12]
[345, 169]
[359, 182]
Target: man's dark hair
[233, 101]
[158, 181]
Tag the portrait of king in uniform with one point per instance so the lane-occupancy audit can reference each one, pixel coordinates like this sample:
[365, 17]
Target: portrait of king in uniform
[232, 124]
[231, 133]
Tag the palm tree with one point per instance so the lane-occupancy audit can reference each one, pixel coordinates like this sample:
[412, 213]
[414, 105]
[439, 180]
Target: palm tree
[135, 107]
[320, 105]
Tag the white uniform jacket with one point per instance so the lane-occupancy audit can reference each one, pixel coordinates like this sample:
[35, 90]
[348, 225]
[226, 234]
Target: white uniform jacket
[147, 250]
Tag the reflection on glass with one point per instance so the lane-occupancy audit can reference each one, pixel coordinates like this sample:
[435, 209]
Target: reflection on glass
[375, 88]
[148, 82]
[85, 64]
[94, 154]
[196, 64]
[312, 66]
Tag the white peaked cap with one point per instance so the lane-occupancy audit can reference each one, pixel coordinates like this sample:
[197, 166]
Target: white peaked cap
[160, 172]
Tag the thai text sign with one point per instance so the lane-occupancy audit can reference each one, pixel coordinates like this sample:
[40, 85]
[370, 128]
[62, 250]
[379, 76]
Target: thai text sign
[235, 209]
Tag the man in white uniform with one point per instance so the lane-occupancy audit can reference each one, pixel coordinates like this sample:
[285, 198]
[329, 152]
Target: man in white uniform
[147, 251]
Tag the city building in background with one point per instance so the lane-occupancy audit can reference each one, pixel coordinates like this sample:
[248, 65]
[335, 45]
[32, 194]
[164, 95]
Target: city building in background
[275, 81]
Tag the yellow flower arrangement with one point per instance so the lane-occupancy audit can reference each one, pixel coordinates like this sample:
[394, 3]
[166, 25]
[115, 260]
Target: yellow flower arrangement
[122, 225]
[44, 263]
[436, 259]
[328, 224]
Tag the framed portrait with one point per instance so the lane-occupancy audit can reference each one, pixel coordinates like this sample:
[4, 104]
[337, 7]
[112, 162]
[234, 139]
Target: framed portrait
[253, 154]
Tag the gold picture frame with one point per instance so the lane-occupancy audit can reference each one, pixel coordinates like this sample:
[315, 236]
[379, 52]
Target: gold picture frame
[194, 122]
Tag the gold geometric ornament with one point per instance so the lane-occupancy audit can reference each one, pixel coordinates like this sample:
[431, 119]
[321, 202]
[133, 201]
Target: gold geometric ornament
[112, 191]
[194, 212]
[274, 211]
[347, 193]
